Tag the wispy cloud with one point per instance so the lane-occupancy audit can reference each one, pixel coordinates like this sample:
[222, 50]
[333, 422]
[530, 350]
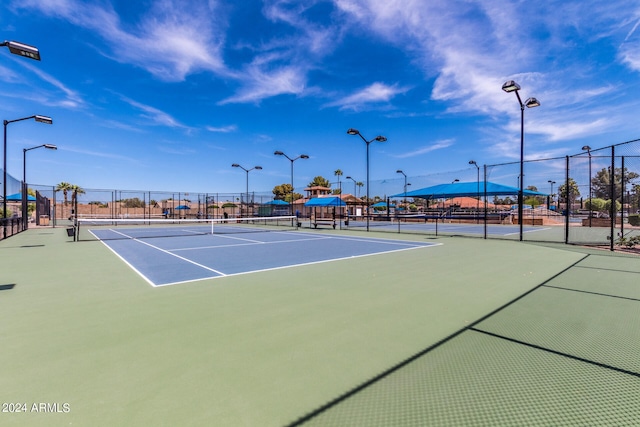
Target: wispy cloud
[439, 145]
[154, 115]
[170, 40]
[376, 93]
[223, 129]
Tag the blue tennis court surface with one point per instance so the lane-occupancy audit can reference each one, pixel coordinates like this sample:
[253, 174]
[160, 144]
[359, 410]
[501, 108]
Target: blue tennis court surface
[165, 261]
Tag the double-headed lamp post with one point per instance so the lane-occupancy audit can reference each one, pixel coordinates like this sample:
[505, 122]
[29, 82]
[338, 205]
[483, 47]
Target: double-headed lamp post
[235, 165]
[301, 156]
[24, 179]
[378, 138]
[37, 118]
[405, 183]
[588, 150]
[512, 86]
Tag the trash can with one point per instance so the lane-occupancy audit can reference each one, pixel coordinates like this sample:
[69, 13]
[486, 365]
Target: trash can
[44, 220]
[71, 232]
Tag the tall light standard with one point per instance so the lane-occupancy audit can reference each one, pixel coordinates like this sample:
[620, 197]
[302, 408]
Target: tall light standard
[22, 49]
[473, 162]
[551, 193]
[512, 86]
[235, 165]
[405, 183]
[354, 185]
[37, 118]
[378, 138]
[24, 179]
[301, 156]
[588, 150]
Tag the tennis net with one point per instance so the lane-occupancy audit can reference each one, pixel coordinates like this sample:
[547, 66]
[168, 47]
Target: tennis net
[136, 228]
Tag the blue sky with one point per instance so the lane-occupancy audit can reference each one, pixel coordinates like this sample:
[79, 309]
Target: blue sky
[166, 95]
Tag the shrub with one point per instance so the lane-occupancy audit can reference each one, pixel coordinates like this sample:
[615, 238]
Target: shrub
[634, 219]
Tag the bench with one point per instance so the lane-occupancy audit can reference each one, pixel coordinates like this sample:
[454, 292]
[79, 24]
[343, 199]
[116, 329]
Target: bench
[319, 221]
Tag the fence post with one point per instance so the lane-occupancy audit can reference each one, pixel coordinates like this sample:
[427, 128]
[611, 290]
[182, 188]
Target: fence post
[567, 198]
[612, 193]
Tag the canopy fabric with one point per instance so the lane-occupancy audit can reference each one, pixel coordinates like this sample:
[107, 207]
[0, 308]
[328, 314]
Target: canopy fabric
[466, 189]
[382, 205]
[17, 197]
[277, 203]
[325, 201]
[182, 207]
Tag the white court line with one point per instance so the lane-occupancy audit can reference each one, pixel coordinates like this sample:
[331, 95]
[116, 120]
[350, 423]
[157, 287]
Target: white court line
[301, 264]
[245, 244]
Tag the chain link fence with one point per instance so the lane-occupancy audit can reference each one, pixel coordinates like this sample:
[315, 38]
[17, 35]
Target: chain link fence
[589, 198]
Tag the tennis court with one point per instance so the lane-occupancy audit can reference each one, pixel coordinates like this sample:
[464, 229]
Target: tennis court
[469, 332]
[194, 251]
[462, 228]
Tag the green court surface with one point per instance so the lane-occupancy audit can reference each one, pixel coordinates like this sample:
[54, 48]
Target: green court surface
[470, 332]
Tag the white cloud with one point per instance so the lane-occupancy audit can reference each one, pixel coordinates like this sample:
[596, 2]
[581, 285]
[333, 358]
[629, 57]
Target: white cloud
[223, 129]
[154, 115]
[375, 93]
[170, 40]
[439, 145]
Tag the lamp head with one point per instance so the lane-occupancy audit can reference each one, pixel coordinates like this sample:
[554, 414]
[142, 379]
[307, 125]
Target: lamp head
[278, 153]
[353, 131]
[43, 119]
[50, 146]
[510, 86]
[473, 162]
[235, 165]
[400, 171]
[304, 156]
[22, 49]
[586, 148]
[348, 177]
[258, 167]
[532, 102]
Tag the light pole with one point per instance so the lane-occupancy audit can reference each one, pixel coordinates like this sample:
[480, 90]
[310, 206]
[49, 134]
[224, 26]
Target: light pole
[24, 180]
[22, 49]
[354, 185]
[378, 138]
[301, 156]
[473, 162]
[512, 86]
[588, 150]
[235, 165]
[405, 184]
[551, 193]
[37, 118]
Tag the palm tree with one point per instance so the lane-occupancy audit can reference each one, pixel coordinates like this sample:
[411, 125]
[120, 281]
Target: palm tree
[64, 187]
[338, 173]
[74, 197]
[359, 184]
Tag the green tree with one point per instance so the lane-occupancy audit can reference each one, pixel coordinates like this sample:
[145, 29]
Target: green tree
[574, 192]
[338, 173]
[359, 184]
[74, 196]
[601, 183]
[283, 192]
[133, 203]
[320, 181]
[65, 187]
[596, 204]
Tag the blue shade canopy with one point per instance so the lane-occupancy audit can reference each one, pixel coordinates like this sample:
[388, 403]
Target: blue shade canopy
[182, 207]
[382, 205]
[325, 201]
[277, 203]
[465, 189]
[18, 198]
